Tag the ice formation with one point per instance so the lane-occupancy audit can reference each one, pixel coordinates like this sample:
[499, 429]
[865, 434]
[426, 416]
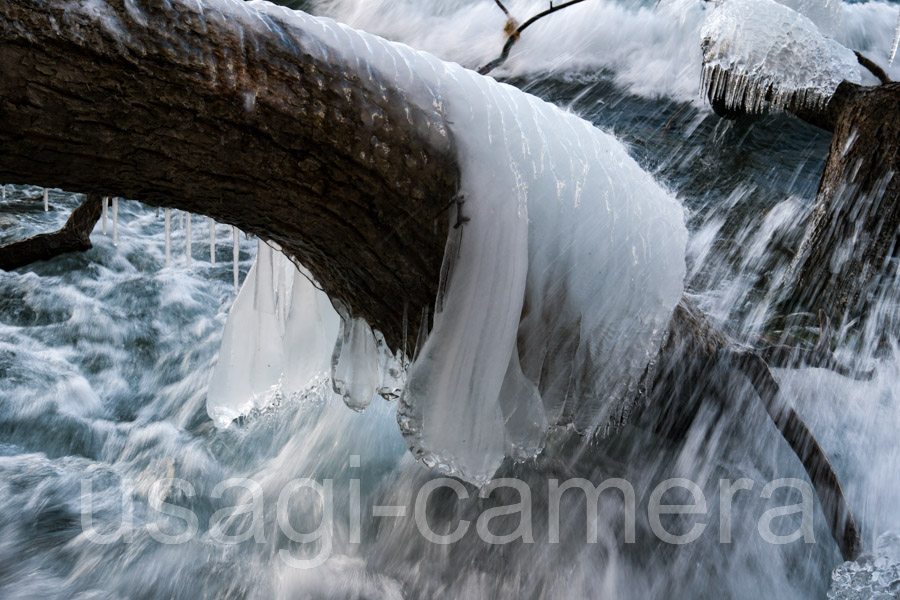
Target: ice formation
[4, 193]
[873, 575]
[355, 372]
[277, 339]
[759, 51]
[115, 210]
[556, 292]
[168, 237]
[825, 14]
[105, 212]
[46, 200]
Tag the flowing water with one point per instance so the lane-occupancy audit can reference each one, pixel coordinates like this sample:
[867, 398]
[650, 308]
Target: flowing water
[106, 358]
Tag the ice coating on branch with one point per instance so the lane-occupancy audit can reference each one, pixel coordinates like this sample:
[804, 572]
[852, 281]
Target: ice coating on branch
[826, 14]
[758, 51]
[557, 284]
[277, 338]
[355, 372]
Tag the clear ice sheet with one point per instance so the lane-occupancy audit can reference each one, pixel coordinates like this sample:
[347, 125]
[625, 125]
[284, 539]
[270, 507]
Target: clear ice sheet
[755, 48]
[277, 338]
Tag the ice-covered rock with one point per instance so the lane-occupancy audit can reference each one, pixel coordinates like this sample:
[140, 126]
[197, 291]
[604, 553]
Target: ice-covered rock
[826, 14]
[759, 51]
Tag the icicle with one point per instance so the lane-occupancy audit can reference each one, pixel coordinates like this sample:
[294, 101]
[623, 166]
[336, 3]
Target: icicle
[212, 241]
[236, 251]
[181, 220]
[168, 237]
[115, 221]
[896, 42]
[105, 212]
[46, 200]
[355, 374]
[4, 192]
[187, 240]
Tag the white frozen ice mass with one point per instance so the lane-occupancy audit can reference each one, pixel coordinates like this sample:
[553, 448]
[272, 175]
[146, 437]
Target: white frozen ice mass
[759, 51]
[277, 339]
[556, 292]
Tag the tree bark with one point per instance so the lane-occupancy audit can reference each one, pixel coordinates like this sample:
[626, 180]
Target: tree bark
[75, 236]
[175, 104]
[853, 231]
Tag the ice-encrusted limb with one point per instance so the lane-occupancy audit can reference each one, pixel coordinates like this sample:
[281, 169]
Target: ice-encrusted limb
[759, 53]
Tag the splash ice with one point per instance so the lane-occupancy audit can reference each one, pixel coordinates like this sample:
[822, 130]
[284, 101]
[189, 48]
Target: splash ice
[759, 51]
[873, 575]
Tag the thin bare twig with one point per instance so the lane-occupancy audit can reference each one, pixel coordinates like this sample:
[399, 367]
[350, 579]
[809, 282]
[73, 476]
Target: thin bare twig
[503, 8]
[873, 68]
[514, 36]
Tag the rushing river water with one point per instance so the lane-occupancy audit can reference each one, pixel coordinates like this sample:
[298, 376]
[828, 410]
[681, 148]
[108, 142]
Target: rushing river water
[105, 360]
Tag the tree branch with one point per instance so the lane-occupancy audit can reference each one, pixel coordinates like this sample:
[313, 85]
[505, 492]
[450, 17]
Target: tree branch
[831, 495]
[873, 68]
[75, 236]
[239, 119]
[514, 36]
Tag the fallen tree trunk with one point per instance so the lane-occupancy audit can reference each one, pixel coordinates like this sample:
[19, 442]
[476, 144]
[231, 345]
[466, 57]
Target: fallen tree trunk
[75, 236]
[203, 115]
[176, 104]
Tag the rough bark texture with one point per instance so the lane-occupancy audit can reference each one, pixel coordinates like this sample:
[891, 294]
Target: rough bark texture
[173, 104]
[853, 231]
[75, 236]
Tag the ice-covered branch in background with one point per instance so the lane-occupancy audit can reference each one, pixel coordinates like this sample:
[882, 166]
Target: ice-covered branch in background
[759, 51]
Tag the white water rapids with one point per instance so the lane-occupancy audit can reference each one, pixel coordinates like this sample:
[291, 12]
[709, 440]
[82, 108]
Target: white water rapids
[106, 357]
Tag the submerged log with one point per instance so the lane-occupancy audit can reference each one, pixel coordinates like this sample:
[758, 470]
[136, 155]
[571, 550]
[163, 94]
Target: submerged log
[75, 236]
[175, 104]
